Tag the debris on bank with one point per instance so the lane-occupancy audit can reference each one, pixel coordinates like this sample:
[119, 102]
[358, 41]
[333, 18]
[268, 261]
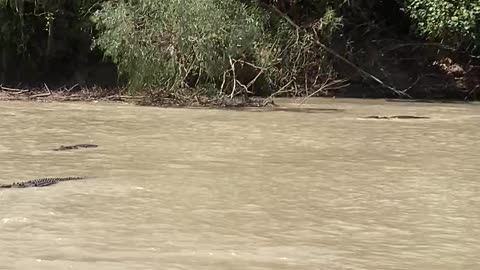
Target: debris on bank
[155, 98]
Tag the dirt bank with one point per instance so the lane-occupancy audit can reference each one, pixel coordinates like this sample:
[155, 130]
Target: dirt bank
[157, 98]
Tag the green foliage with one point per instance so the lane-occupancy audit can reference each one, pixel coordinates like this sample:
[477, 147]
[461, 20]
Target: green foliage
[201, 43]
[224, 45]
[452, 21]
[164, 43]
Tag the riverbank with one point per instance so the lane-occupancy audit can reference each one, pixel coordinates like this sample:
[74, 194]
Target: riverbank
[159, 98]
[163, 99]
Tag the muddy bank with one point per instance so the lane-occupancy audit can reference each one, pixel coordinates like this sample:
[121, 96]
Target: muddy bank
[157, 98]
[46, 94]
[189, 98]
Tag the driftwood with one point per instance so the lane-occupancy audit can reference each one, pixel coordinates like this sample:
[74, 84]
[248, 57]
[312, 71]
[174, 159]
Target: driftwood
[8, 89]
[326, 85]
[14, 91]
[49, 93]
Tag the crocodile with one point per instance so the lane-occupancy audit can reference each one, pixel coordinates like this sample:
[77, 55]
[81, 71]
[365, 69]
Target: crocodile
[43, 182]
[397, 117]
[76, 146]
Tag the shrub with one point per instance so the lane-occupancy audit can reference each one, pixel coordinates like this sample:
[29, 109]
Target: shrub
[206, 44]
[455, 22]
[44, 36]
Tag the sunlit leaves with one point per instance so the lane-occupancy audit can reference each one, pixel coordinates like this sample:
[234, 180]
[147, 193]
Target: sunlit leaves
[451, 21]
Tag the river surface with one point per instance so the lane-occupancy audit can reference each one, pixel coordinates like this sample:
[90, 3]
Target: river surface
[221, 189]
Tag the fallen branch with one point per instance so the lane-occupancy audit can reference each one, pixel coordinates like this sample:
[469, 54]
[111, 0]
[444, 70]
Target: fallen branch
[325, 86]
[243, 86]
[334, 53]
[234, 87]
[20, 92]
[223, 82]
[281, 90]
[8, 89]
[250, 64]
[71, 88]
[473, 92]
[416, 81]
[254, 79]
[49, 93]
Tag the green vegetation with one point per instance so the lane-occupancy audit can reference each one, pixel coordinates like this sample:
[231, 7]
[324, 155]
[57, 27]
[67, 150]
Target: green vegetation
[44, 38]
[222, 47]
[456, 22]
[218, 47]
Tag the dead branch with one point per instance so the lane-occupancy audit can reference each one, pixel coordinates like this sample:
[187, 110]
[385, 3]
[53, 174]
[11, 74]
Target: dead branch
[224, 80]
[473, 92]
[254, 79]
[71, 88]
[281, 90]
[20, 92]
[234, 87]
[334, 53]
[325, 86]
[243, 86]
[416, 81]
[49, 93]
[250, 64]
[8, 89]
[40, 95]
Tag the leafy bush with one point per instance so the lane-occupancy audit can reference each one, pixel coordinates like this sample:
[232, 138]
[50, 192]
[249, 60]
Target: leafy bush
[452, 21]
[168, 43]
[204, 44]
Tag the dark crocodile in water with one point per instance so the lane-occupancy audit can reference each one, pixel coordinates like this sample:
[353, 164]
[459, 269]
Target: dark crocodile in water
[76, 146]
[396, 117]
[449, 101]
[43, 182]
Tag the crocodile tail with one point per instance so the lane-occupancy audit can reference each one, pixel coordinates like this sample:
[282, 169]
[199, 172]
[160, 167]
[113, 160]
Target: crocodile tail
[70, 178]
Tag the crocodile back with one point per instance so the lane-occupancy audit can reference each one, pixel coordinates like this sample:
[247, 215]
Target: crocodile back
[43, 182]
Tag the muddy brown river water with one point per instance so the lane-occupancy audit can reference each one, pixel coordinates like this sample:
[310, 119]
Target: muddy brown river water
[221, 189]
